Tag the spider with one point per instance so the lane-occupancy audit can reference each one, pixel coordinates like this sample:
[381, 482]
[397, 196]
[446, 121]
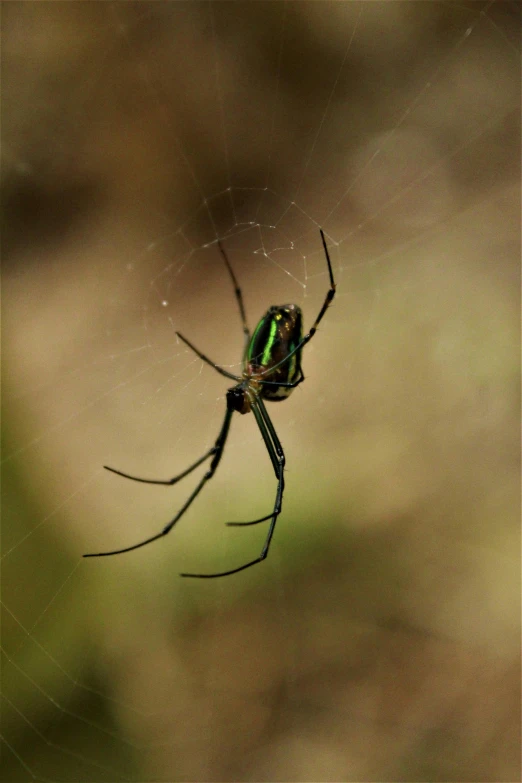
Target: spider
[271, 370]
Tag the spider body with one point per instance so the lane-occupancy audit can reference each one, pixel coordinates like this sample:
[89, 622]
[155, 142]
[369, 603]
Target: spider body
[277, 334]
[271, 370]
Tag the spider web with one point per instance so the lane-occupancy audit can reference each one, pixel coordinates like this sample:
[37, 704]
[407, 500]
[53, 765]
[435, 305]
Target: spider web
[135, 136]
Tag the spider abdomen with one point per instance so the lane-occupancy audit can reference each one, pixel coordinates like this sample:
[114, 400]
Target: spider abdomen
[278, 333]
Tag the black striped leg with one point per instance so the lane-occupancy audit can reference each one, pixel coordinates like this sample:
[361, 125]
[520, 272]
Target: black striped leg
[284, 385]
[165, 482]
[277, 456]
[207, 360]
[217, 452]
[238, 294]
[326, 304]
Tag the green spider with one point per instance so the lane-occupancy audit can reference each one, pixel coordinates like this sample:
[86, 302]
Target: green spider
[271, 370]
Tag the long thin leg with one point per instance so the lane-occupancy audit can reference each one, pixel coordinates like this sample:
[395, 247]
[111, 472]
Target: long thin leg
[246, 330]
[165, 482]
[218, 452]
[273, 456]
[326, 304]
[285, 385]
[277, 456]
[237, 291]
[207, 360]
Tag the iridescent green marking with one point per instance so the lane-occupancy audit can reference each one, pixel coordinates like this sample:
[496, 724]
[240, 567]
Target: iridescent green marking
[254, 338]
[263, 357]
[267, 353]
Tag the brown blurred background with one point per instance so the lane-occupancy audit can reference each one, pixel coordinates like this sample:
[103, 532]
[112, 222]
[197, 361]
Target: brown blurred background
[381, 638]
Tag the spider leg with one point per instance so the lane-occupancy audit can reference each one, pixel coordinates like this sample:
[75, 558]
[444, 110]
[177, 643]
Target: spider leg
[207, 360]
[237, 292]
[217, 451]
[245, 524]
[284, 385]
[326, 304]
[275, 463]
[277, 456]
[166, 482]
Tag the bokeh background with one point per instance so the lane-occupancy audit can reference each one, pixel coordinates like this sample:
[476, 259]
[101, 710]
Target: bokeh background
[381, 638]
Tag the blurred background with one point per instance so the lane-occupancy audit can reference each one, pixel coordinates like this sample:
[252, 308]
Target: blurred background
[380, 640]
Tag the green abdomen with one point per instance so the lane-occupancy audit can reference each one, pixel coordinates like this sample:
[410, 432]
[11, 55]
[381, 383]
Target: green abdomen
[276, 335]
